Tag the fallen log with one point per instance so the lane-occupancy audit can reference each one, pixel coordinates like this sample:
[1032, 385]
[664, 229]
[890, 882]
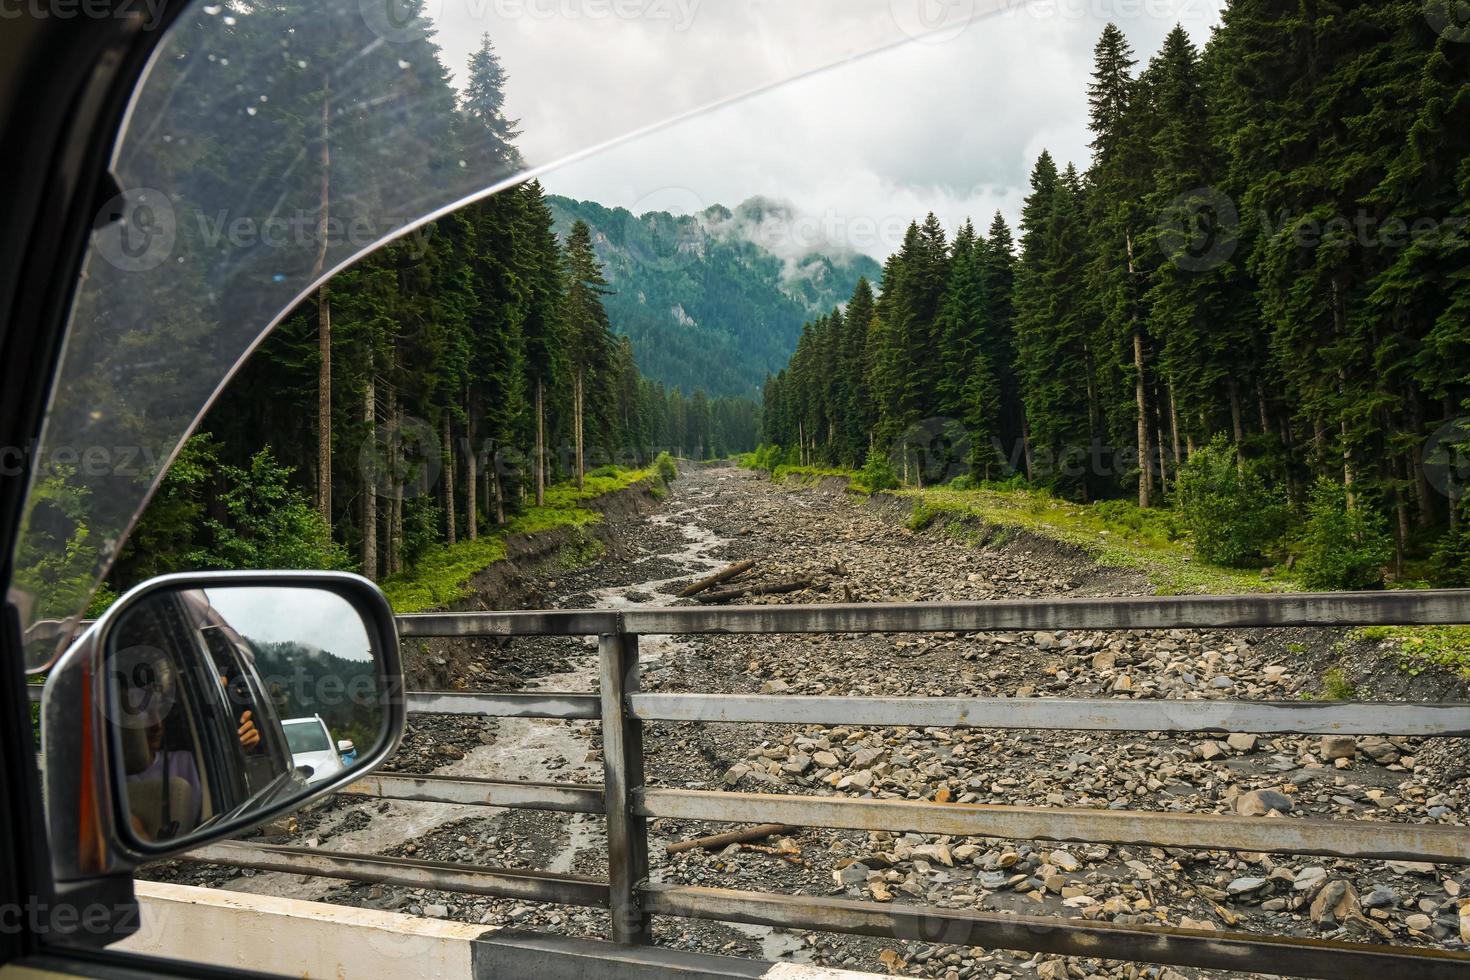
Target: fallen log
[716, 841]
[724, 574]
[779, 588]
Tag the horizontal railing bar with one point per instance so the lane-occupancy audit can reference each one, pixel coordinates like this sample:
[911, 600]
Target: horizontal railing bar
[533, 704]
[1399, 608]
[557, 797]
[1317, 958]
[500, 882]
[1065, 714]
[1199, 831]
[549, 622]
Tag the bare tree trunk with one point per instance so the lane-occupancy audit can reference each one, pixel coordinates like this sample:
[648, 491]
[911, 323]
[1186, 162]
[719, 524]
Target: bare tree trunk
[1174, 423]
[1261, 406]
[1237, 423]
[395, 500]
[324, 326]
[499, 492]
[471, 473]
[540, 443]
[1159, 437]
[369, 484]
[1140, 391]
[324, 406]
[1026, 446]
[449, 521]
[578, 420]
[1423, 495]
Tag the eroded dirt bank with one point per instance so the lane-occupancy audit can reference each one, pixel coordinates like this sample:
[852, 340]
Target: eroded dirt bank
[862, 552]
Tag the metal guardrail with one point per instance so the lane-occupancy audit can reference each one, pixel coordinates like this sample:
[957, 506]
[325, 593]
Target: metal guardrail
[628, 803]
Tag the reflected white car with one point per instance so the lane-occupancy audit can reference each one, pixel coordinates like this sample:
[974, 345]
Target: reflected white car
[312, 747]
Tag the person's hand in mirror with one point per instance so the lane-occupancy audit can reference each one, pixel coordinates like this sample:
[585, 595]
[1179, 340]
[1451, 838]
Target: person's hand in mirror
[249, 734]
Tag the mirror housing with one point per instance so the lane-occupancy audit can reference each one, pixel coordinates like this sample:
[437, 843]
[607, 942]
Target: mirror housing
[101, 729]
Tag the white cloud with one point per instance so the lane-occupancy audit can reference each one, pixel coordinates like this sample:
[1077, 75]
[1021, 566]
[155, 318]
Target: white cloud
[950, 123]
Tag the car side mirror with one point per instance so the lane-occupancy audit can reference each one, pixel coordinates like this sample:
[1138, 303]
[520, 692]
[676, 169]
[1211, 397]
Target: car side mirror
[168, 724]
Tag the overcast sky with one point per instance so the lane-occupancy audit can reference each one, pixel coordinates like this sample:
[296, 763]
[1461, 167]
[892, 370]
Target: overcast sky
[948, 115]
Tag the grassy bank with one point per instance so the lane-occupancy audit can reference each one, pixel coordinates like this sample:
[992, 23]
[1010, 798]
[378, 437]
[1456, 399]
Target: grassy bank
[443, 575]
[1122, 535]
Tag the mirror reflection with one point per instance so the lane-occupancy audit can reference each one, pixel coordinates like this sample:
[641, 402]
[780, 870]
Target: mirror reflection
[228, 700]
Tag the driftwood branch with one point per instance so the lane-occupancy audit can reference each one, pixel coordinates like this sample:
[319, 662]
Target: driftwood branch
[722, 575]
[779, 588]
[717, 841]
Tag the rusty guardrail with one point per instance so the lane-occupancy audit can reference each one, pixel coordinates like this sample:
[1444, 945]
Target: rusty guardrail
[627, 803]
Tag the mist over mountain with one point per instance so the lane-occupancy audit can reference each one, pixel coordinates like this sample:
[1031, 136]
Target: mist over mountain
[714, 300]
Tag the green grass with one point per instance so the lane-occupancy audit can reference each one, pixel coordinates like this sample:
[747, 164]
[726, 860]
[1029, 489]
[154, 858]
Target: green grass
[1115, 533]
[1423, 647]
[808, 474]
[443, 575]
[1120, 534]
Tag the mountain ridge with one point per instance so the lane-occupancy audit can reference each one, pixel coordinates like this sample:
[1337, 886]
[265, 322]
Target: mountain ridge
[713, 300]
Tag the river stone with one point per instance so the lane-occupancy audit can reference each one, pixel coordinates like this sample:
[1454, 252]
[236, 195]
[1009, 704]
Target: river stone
[1241, 742]
[1259, 802]
[1337, 747]
[1064, 861]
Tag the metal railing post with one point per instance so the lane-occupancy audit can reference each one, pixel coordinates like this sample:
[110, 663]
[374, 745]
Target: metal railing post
[622, 754]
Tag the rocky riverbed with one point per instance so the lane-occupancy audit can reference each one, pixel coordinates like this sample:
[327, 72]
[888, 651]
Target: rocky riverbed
[860, 551]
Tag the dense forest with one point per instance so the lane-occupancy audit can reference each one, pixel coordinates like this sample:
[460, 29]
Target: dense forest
[431, 391]
[704, 299]
[1254, 303]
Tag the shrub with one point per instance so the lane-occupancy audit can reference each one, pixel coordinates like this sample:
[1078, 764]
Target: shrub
[963, 482]
[1343, 548]
[271, 523]
[668, 471]
[1450, 564]
[877, 473]
[766, 458]
[1227, 508]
